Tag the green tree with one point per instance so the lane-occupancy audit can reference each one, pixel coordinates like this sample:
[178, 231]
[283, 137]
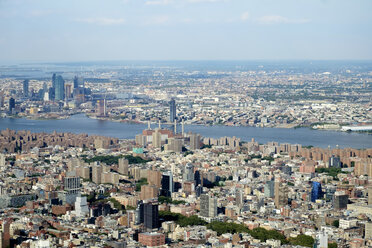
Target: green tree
[336, 223]
[332, 245]
[303, 240]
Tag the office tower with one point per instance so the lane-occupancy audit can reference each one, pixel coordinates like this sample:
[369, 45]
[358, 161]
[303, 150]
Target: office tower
[72, 183]
[316, 191]
[45, 87]
[25, 88]
[269, 189]
[172, 111]
[140, 213]
[340, 200]
[195, 141]
[51, 94]
[280, 194]
[239, 197]
[123, 166]
[167, 187]
[79, 95]
[197, 177]
[11, 104]
[81, 206]
[59, 88]
[334, 162]
[156, 138]
[149, 192]
[188, 174]
[78, 82]
[68, 91]
[54, 80]
[151, 215]
[208, 206]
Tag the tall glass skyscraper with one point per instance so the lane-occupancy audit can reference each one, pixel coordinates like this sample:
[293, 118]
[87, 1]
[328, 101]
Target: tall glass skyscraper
[59, 88]
[25, 88]
[172, 110]
[167, 184]
[316, 191]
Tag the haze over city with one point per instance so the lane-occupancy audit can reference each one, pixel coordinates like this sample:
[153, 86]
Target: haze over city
[93, 30]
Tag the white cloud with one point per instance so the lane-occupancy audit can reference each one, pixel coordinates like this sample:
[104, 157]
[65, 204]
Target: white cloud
[276, 19]
[102, 21]
[245, 16]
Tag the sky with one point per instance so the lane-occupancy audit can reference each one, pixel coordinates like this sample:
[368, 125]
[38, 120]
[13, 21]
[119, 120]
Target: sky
[94, 30]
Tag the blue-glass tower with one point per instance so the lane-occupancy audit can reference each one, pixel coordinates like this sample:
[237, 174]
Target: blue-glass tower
[316, 191]
[59, 88]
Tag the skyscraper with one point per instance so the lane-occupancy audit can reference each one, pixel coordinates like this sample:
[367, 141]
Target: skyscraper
[208, 206]
[54, 80]
[194, 141]
[101, 107]
[156, 138]
[25, 88]
[172, 110]
[151, 215]
[239, 197]
[316, 191]
[167, 184]
[280, 194]
[59, 88]
[11, 104]
[188, 174]
[78, 82]
[334, 162]
[269, 189]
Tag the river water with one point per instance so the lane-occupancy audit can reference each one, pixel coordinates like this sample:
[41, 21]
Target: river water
[304, 136]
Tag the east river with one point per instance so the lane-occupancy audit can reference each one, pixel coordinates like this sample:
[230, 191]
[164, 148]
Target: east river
[305, 136]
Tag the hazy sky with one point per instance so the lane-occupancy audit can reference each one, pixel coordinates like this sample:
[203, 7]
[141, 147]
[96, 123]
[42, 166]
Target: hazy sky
[83, 30]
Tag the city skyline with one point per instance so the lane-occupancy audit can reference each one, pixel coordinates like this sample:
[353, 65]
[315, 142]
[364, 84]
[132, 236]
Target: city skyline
[184, 30]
